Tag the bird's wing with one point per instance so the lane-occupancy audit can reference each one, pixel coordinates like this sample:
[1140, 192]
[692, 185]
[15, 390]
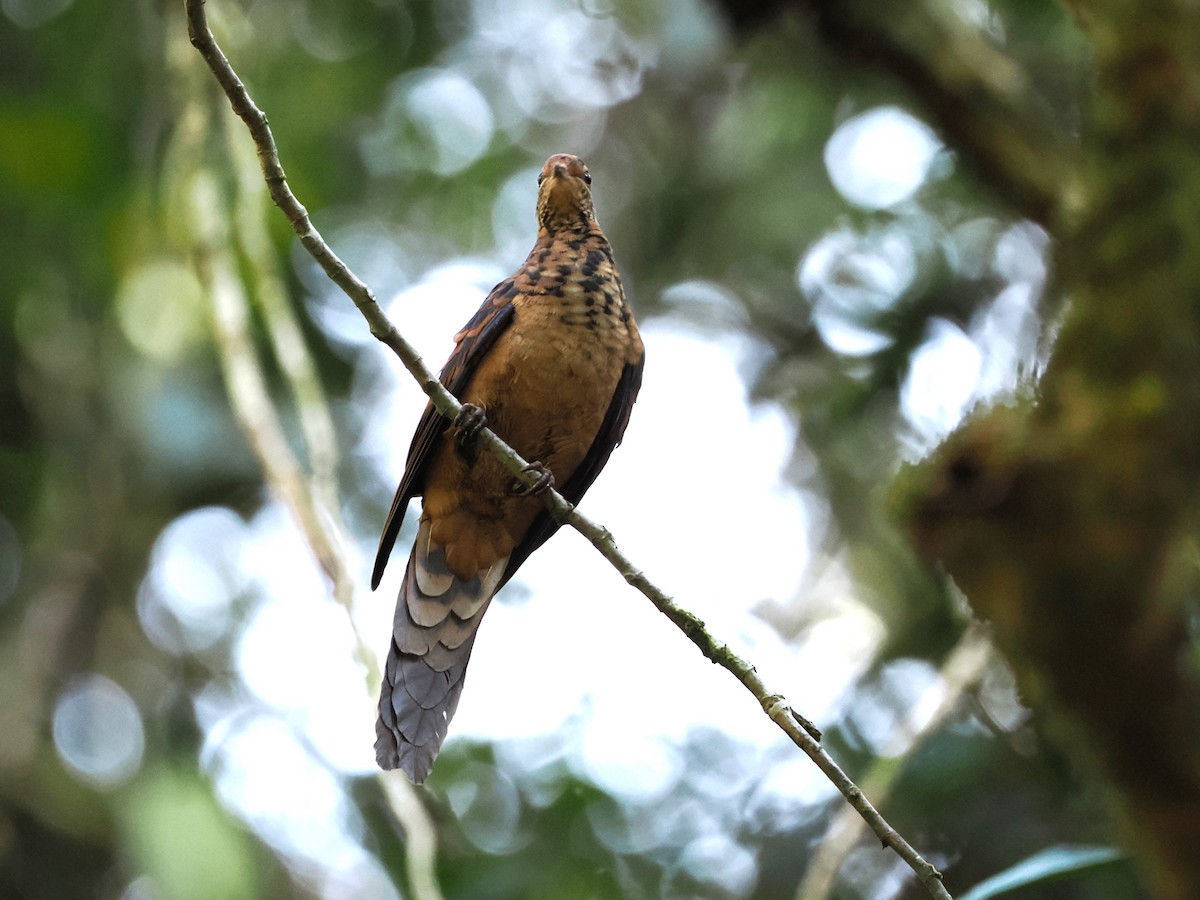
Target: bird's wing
[471, 345]
[612, 429]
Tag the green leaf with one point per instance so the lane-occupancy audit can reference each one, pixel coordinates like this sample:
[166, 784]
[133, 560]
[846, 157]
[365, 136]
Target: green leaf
[1046, 865]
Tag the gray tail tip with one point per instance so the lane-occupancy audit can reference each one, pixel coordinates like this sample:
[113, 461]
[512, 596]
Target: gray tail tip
[389, 757]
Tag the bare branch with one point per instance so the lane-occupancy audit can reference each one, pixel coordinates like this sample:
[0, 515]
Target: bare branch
[801, 732]
[283, 328]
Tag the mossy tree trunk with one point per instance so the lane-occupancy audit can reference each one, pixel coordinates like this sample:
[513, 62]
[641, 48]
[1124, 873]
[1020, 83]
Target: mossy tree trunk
[1071, 525]
[1070, 522]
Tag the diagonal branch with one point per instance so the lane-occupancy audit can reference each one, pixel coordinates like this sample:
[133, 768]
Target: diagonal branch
[801, 732]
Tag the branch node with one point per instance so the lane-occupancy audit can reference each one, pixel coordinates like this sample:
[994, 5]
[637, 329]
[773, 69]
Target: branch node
[813, 731]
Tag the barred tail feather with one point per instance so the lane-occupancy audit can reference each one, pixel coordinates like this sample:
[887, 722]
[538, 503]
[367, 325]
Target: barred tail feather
[437, 616]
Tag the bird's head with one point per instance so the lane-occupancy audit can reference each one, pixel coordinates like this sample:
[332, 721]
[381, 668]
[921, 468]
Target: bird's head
[564, 194]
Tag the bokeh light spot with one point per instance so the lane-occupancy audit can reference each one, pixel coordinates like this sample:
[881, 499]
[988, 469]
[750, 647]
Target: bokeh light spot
[185, 601]
[98, 731]
[434, 119]
[941, 381]
[265, 775]
[880, 157]
[850, 279]
[580, 60]
[160, 307]
[634, 768]
[718, 860]
[488, 808]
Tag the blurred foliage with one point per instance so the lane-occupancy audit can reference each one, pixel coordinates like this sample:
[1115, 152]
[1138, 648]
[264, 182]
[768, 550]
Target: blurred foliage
[708, 151]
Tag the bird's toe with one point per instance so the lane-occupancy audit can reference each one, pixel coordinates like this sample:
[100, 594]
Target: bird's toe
[545, 481]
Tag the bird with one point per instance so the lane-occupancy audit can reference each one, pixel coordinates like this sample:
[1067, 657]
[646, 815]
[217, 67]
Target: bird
[552, 363]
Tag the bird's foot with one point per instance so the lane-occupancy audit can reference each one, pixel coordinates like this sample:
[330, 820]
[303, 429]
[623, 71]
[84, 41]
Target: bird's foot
[467, 424]
[545, 481]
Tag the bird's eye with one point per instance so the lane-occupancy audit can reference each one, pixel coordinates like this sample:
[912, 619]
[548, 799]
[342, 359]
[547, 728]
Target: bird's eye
[587, 178]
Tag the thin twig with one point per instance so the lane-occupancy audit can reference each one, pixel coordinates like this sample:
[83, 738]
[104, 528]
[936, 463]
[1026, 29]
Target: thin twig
[300, 372]
[248, 393]
[320, 493]
[775, 705]
[322, 529]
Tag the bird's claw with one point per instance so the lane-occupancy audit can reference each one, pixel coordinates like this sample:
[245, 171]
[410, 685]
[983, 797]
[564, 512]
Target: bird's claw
[545, 481]
[467, 424]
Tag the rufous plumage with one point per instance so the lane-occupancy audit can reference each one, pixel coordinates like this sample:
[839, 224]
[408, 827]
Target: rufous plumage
[552, 362]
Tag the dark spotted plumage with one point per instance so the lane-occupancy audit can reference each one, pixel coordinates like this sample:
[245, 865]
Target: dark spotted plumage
[554, 359]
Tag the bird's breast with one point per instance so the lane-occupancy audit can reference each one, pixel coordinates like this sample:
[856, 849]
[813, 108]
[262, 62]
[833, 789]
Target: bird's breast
[546, 386]
[566, 357]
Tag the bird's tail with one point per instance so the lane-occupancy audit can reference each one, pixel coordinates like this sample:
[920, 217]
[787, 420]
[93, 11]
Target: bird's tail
[437, 615]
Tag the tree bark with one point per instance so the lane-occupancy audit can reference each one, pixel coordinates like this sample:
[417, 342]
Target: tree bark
[1069, 519]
